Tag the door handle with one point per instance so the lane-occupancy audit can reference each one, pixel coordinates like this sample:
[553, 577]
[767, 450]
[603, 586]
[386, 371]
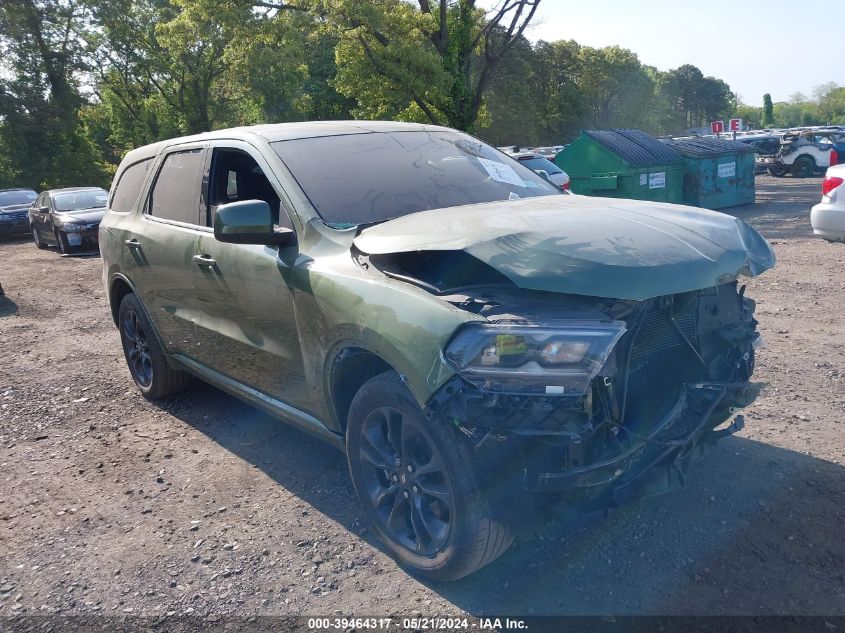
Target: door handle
[133, 243]
[204, 260]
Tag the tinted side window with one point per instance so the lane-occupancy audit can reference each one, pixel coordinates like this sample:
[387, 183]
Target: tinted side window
[175, 193]
[236, 176]
[129, 187]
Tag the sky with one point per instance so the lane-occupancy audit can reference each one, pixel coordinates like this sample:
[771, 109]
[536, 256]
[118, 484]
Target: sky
[756, 46]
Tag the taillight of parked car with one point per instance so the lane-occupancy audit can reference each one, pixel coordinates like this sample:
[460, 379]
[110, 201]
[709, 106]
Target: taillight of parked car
[830, 183]
[834, 157]
[565, 186]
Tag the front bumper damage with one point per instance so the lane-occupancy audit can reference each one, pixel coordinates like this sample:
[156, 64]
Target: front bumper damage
[659, 460]
[635, 432]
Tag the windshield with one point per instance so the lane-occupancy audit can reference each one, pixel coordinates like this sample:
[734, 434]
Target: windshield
[78, 200]
[21, 196]
[541, 163]
[366, 178]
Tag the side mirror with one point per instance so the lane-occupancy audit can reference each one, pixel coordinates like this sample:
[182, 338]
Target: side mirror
[543, 174]
[44, 209]
[249, 222]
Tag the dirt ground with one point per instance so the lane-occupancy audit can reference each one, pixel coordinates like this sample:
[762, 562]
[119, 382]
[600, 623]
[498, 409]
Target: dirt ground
[200, 504]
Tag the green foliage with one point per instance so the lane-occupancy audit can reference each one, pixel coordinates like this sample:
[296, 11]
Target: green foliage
[434, 61]
[768, 111]
[84, 81]
[43, 140]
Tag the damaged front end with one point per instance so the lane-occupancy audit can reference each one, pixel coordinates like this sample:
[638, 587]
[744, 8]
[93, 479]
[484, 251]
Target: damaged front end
[596, 399]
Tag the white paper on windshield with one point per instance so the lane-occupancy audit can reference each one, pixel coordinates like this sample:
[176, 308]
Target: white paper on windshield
[501, 172]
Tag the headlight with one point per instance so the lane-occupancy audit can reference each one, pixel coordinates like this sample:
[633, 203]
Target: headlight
[558, 360]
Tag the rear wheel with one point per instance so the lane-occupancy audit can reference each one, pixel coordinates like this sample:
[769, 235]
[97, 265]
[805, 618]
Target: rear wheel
[417, 484]
[144, 356]
[803, 167]
[37, 239]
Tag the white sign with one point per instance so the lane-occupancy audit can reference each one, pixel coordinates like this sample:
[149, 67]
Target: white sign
[735, 125]
[501, 172]
[643, 179]
[657, 181]
[727, 170]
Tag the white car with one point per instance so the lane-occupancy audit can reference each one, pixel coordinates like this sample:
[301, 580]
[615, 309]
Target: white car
[804, 152]
[538, 163]
[828, 216]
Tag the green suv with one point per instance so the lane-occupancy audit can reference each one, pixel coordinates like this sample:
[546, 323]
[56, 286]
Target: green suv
[475, 340]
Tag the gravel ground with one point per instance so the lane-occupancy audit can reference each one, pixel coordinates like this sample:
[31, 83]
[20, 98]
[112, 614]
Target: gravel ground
[200, 504]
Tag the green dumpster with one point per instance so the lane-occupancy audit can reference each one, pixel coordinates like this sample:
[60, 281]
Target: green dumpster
[623, 163]
[719, 172]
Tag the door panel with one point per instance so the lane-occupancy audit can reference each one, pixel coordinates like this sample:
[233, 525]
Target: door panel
[247, 327]
[158, 257]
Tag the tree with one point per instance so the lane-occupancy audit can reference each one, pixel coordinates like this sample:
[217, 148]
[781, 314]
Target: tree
[832, 107]
[768, 111]
[45, 142]
[434, 61]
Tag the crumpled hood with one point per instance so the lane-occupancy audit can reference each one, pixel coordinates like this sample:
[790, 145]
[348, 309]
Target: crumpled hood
[601, 247]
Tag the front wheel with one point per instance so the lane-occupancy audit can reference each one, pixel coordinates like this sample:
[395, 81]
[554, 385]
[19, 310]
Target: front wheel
[144, 356]
[37, 238]
[416, 481]
[777, 170]
[61, 242]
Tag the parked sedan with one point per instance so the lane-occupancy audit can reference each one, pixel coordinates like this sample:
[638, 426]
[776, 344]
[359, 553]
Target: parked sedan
[13, 205]
[828, 216]
[67, 218]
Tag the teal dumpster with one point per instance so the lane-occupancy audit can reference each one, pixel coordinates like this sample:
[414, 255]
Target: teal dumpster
[718, 173]
[623, 163]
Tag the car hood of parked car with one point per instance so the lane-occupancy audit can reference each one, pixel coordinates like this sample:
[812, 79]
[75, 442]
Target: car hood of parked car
[83, 215]
[601, 247]
[14, 207]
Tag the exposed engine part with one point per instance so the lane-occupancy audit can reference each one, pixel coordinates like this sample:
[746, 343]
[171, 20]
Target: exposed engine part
[679, 372]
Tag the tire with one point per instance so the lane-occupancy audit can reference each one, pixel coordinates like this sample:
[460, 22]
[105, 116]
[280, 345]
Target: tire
[61, 242]
[803, 167]
[436, 522]
[778, 171]
[144, 356]
[37, 239]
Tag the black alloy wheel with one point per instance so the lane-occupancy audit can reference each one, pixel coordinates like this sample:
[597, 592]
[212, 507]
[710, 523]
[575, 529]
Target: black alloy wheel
[803, 167]
[777, 170]
[420, 484]
[136, 348]
[145, 357]
[406, 481]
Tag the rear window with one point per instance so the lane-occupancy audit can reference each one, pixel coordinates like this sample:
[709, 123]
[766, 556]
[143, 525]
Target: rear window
[174, 194]
[129, 186]
[367, 178]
